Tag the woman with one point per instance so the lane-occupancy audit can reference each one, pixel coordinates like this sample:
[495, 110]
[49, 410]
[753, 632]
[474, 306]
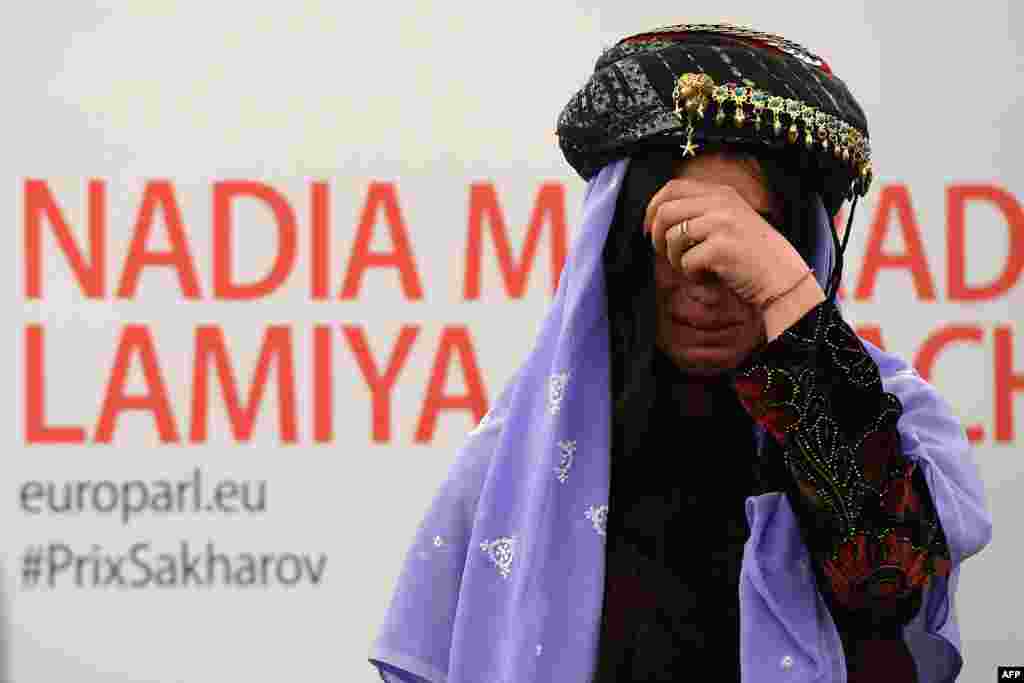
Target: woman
[700, 466]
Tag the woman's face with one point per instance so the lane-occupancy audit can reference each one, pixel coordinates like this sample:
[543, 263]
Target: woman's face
[701, 324]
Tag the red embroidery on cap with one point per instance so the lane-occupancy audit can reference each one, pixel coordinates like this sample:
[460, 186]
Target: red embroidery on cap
[685, 36]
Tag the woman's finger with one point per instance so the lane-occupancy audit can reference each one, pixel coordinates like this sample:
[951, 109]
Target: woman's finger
[698, 259]
[674, 211]
[698, 230]
[676, 242]
[676, 188]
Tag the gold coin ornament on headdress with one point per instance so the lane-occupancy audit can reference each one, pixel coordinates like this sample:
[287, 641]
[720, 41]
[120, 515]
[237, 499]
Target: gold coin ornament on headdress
[694, 93]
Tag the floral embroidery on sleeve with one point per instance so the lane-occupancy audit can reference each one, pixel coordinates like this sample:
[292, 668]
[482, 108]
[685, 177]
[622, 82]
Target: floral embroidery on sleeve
[868, 518]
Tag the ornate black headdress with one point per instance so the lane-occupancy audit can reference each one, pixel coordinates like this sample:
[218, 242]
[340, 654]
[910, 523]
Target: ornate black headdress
[693, 84]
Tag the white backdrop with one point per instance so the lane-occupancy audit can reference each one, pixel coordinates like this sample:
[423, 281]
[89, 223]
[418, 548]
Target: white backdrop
[402, 108]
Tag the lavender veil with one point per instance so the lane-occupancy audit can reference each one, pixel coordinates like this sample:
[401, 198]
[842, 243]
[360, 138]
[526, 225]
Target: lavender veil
[504, 579]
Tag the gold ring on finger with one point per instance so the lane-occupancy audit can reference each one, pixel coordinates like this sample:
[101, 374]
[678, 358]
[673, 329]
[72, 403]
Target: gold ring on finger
[689, 242]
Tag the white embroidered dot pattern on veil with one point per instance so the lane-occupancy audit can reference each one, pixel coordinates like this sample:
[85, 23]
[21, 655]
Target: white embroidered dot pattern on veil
[568, 449]
[501, 551]
[556, 391]
[599, 516]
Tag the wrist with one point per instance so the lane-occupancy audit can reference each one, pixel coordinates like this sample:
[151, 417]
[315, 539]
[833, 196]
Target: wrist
[785, 311]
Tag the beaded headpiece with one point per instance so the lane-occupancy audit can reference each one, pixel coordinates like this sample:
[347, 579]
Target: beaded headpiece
[694, 84]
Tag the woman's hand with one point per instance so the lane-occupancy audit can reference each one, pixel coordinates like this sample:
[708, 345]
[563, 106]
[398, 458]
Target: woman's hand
[728, 238]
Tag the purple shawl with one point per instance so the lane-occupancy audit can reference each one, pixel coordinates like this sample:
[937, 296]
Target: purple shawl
[504, 581]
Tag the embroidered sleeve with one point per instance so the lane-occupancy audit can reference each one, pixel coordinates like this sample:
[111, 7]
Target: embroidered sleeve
[867, 516]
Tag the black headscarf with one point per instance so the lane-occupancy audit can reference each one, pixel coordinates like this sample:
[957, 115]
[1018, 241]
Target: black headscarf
[629, 273]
